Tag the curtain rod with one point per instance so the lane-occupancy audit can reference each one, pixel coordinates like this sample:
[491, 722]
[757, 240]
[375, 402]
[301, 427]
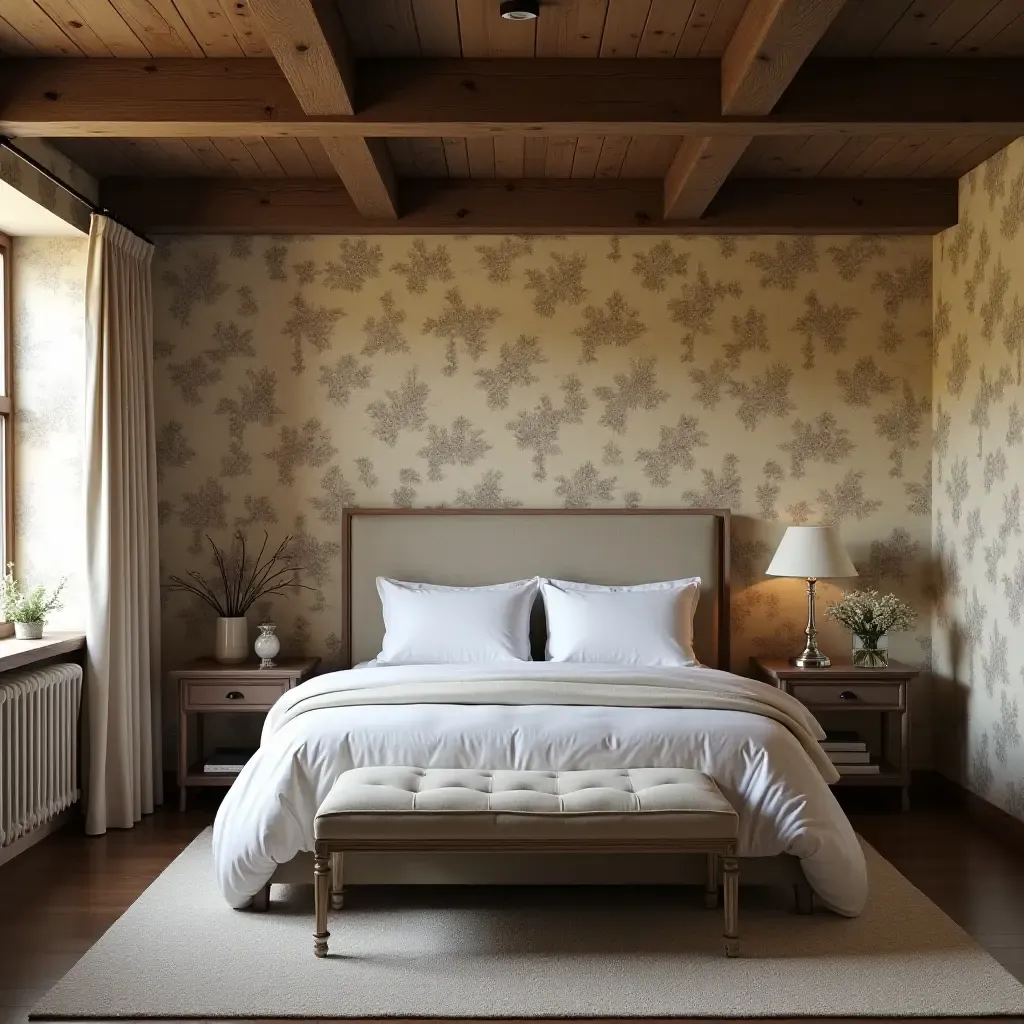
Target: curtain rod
[6, 143]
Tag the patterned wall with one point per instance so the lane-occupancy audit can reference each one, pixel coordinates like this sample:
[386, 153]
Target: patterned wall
[979, 448]
[48, 291]
[788, 379]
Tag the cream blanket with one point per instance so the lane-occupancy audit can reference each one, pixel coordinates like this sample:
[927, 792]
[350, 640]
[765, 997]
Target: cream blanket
[555, 684]
[759, 745]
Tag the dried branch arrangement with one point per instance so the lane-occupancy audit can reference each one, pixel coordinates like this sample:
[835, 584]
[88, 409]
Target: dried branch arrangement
[241, 581]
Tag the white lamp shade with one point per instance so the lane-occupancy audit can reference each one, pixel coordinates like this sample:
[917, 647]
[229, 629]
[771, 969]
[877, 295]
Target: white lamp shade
[811, 551]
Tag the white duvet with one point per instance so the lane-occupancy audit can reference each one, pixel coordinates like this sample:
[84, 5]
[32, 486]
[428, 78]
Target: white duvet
[759, 745]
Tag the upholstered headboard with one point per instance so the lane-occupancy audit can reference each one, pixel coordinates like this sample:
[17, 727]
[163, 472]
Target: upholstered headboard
[470, 547]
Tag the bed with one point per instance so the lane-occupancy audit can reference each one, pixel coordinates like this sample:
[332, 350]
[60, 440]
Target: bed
[538, 715]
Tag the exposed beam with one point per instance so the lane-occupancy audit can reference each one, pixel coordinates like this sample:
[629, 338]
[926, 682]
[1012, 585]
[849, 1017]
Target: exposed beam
[768, 47]
[365, 168]
[310, 46]
[698, 171]
[770, 43]
[185, 98]
[572, 206]
[308, 41]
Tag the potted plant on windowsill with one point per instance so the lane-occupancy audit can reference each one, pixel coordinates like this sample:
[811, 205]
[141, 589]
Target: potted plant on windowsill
[28, 609]
[241, 581]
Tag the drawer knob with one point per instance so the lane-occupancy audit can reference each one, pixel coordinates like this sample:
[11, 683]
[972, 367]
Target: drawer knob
[848, 695]
[235, 695]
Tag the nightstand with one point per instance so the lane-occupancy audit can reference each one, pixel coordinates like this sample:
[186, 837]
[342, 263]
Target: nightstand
[875, 691]
[206, 687]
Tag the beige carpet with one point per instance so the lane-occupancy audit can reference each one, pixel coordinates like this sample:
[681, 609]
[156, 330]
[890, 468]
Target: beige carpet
[179, 951]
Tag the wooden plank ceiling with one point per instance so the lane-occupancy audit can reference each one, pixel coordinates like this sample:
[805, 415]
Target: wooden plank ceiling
[464, 28]
[769, 41]
[509, 156]
[618, 156]
[866, 156]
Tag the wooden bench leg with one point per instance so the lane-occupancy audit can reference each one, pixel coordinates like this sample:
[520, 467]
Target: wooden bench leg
[337, 884]
[322, 881]
[711, 882]
[731, 868]
[261, 901]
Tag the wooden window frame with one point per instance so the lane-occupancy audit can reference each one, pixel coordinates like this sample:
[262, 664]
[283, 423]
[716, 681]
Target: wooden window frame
[7, 403]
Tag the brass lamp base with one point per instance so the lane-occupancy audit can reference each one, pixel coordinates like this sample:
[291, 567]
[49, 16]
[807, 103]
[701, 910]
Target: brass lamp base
[811, 657]
[811, 660]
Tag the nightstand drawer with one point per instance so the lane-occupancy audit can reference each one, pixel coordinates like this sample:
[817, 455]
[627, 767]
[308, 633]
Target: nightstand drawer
[221, 693]
[851, 694]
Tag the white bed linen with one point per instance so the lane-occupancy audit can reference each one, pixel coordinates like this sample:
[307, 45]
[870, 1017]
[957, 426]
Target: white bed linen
[646, 625]
[764, 770]
[428, 624]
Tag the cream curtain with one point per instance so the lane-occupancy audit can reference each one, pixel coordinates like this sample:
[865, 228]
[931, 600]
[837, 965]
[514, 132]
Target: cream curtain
[123, 778]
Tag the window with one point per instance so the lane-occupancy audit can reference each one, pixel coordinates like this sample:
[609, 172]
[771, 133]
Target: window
[6, 430]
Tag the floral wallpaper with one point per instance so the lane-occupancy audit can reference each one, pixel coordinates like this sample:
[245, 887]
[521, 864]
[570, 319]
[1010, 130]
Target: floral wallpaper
[978, 423]
[788, 379]
[48, 293]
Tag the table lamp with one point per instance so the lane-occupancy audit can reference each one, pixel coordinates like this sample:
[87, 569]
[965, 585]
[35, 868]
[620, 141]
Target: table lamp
[811, 553]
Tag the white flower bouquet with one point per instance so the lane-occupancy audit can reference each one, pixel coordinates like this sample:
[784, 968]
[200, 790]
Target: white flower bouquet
[870, 616]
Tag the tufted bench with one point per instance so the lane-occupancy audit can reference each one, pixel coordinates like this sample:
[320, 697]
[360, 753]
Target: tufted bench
[635, 810]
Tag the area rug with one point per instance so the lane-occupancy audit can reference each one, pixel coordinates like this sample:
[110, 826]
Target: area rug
[462, 952]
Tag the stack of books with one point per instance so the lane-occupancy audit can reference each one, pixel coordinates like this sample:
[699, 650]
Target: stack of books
[849, 753]
[226, 761]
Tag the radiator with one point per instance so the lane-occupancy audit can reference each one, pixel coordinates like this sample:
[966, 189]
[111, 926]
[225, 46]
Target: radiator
[39, 711]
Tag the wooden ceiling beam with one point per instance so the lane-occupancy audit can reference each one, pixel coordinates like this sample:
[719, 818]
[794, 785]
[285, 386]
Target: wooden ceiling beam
[768, 47]
[309, 43]
[366, 169]
[698, 170]
[573, 206]
[186, 98]
[770, 43]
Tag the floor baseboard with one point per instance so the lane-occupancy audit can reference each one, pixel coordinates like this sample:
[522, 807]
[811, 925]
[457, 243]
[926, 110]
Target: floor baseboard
[993, 819]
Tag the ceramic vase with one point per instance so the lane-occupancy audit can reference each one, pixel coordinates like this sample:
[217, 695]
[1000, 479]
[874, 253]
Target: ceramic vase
[28, 630]
[267, 645]
[232, 643]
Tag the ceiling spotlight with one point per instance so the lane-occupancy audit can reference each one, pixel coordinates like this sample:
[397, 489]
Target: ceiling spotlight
[519, 10]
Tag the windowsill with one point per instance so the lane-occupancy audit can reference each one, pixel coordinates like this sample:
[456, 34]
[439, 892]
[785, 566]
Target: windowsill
[18, 653]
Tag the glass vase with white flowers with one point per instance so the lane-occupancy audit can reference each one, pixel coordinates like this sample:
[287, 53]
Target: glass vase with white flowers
[871, 617]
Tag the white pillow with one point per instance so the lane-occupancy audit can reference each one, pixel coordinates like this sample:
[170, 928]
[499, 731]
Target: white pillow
[649, 624]
[427, 624]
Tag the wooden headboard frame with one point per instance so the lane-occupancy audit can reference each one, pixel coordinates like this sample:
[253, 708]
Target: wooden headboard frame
[722, 553]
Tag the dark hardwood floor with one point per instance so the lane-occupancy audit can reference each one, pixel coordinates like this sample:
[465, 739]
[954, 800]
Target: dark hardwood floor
[58, 898]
